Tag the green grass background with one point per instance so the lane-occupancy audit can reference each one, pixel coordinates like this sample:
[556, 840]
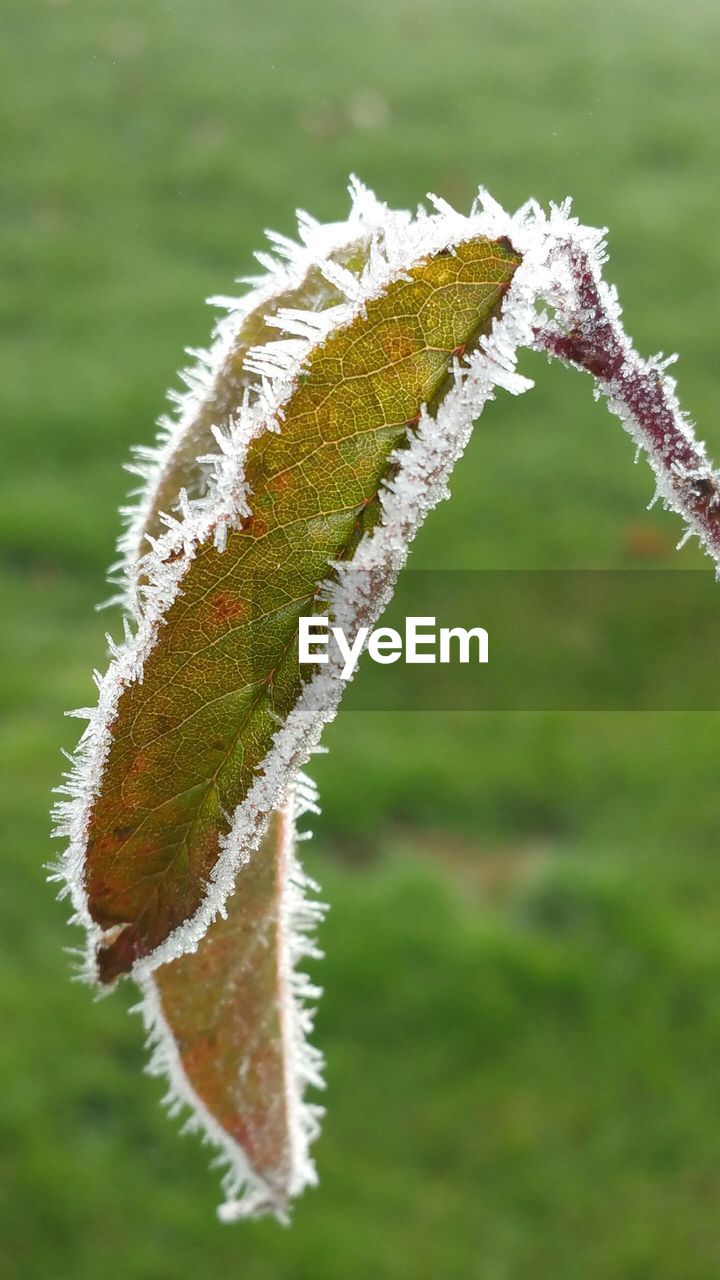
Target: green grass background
[521, 1017]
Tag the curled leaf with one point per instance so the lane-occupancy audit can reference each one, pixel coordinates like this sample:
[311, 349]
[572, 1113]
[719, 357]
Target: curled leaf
[221, 672]
[229, 1025]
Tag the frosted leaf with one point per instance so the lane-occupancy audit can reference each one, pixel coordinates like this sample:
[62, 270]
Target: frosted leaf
[241, 399]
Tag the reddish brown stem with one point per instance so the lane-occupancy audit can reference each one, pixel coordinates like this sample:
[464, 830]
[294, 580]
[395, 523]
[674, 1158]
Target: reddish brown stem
[590, 338]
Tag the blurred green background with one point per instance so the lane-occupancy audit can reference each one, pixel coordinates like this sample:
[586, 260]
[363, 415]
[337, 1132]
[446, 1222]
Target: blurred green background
[521, 1015]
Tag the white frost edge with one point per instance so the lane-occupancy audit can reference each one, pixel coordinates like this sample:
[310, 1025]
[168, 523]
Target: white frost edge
[247, 1194]
[365, 584]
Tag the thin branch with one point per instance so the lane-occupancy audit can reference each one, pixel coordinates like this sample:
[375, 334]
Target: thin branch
[587, 334]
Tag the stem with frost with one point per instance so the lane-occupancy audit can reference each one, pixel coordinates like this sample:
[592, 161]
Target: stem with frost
[587, 334]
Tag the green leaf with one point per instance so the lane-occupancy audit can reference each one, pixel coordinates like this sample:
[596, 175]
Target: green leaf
[223, 672]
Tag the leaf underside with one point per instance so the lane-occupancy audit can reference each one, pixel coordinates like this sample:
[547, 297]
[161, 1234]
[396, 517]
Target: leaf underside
[188, 740]
[223, 1006]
